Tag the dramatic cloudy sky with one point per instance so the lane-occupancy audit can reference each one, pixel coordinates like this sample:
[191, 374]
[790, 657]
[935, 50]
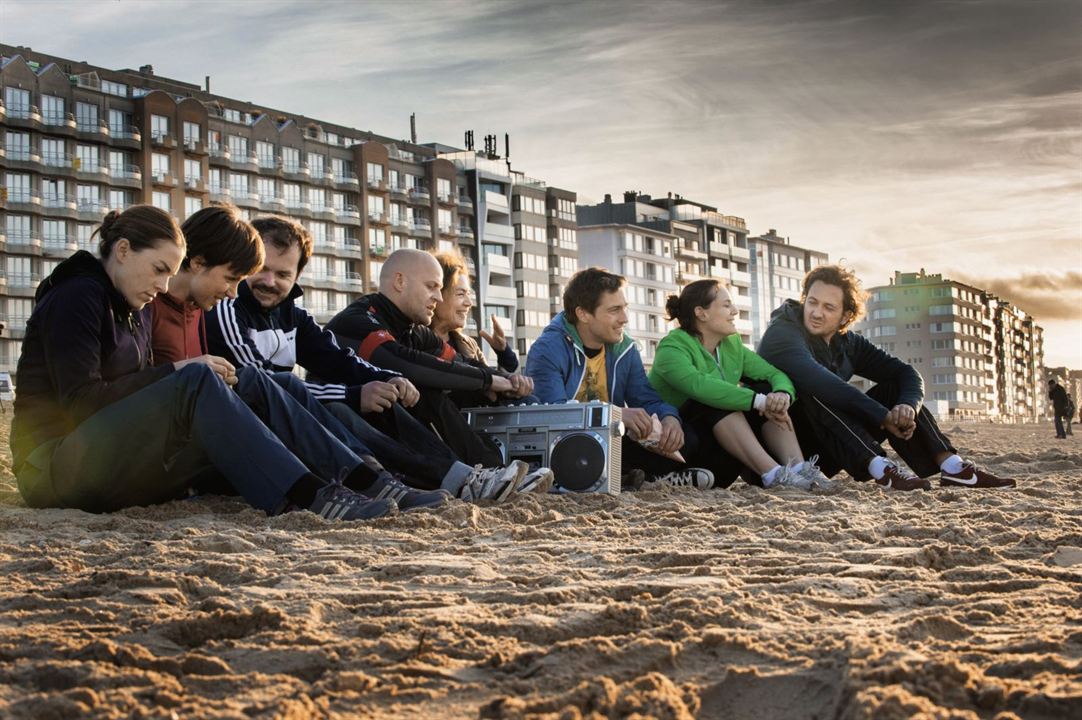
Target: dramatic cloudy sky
[936, 134]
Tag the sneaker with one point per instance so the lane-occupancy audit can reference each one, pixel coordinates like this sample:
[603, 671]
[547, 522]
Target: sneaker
[973, 476]
[698, 478]
[335, 501]
[816, 479]
[896, 478]
[789, 477]
[493, 483]
[388, 485]
[536, 481]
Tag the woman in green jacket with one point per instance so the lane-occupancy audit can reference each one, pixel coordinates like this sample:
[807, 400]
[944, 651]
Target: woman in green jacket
[698, 368]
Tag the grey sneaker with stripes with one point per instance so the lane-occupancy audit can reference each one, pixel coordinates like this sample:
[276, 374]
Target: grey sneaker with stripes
[388, 485]
[495, 484]
[335, 501]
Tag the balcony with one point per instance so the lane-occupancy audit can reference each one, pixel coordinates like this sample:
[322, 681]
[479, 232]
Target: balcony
[272, 203]
[92, 130]
[25, 282]
[298, 207]
[163, 179]
[29, 158]
[18, 199]
[378, 251]
[59, 247]
[162, 139]
[326, 176]
[267, 164]
[690, 250]
[59, 161]
[348, 212]
[24, 242]
[93, 209]
[401, 222]
[377, 183]
[245, 160]
[126, 136]
[349, 182]
[377, 218]
[448, 231]
[60, 123]
[242, 198]
[59, 203]
[421, 229]
[354, 281]
[496, 201]
[465, 204]
[740, 253]
[351, 247]
[219, 155]
[501, 294]
[498, 263]
[194, 183]
[90, 169]
[220, 194]
[322, 211]
[400, 191]
[296, 170]
[447, 198]
[420, 196]
[465, 234]
[126, 175]
[24, 117]
[194, 146]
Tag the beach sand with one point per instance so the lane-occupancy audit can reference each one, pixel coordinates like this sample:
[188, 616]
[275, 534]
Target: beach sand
[739, 603]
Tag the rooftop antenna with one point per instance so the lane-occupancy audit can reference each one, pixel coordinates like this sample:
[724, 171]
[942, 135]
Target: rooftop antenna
[413, 128]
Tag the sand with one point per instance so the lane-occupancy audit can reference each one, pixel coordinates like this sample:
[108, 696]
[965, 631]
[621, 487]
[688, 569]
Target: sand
[740, 603]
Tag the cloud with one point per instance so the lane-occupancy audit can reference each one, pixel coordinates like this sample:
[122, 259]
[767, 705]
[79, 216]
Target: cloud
[1045, 296]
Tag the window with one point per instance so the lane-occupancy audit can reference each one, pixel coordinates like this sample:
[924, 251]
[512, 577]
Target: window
[375, 172]
[159, 166]
[114, 88]
[316, 164]
[52, 152]
[238, 184]
[54, 232]
[238, 146]
[161, 200]
[377, 239]
[192, 205]
[231, 115]
[375, 205]
[317, 198]
[86, 117]
[265, 188]
[292, 194]
[159, 127]
[17, 102]
[193, 170]
[883, 313]
[192, 133]
[18, 228]
[17, 145]
[265, 154]
[52, 109]
[941, 310]
[86, 157]
[118, 199]
[291, 159]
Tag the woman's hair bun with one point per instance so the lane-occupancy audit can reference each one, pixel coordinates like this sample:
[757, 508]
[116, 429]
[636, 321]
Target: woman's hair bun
[672, 307]
[107, 223]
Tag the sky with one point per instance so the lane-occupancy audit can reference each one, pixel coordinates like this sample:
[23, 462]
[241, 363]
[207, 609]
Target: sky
[894, 135]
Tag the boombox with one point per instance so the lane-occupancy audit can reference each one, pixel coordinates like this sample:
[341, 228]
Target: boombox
[579, 442]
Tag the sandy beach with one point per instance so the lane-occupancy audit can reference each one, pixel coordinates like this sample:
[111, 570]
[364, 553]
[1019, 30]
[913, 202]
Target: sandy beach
[739, 603]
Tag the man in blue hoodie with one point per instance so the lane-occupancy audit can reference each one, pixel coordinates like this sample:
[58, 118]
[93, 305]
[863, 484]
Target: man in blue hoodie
[809, 341]
[584, 354]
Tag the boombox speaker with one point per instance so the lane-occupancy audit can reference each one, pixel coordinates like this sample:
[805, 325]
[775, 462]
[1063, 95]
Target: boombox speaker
[579, 442]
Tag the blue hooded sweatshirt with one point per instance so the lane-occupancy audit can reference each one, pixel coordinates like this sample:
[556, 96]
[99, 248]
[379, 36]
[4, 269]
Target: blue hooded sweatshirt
[557, 364]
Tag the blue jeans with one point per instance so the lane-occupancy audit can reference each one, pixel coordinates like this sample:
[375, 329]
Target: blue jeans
[150, 446]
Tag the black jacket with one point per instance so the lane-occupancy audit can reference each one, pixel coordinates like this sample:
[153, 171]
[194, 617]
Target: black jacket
[85, 348]
[823, 371]
[383, 335]
[1061, 404]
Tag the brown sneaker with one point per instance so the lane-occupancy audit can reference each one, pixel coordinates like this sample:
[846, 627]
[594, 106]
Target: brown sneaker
[973, 476]
[896, 478]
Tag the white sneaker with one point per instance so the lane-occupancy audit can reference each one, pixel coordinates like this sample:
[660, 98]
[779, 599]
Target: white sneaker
[788, 477]
[814, 475]
[699, 478]
[538, 481]
[497, 483]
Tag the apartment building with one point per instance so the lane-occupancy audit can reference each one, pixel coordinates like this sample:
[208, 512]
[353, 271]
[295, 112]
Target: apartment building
[647, 259]
[777, 271]
[977, 352]
[704, 243]
[79, 140]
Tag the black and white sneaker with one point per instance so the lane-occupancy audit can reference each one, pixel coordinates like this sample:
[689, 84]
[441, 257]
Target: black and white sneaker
[388, 485]
[335, 501]
[699, 478]
[536, 481]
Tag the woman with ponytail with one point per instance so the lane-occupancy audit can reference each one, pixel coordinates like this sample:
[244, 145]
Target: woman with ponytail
[98, 428]
[699, 368]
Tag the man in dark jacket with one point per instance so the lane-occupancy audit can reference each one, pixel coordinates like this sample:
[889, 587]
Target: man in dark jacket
[809, 341]
[1061, 407]
[391, 329]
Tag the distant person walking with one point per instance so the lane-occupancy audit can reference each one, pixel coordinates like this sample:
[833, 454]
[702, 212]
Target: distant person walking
[1061, 407]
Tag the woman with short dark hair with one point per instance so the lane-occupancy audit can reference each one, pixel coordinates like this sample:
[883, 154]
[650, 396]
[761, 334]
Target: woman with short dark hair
[98, 428]
[699, 368]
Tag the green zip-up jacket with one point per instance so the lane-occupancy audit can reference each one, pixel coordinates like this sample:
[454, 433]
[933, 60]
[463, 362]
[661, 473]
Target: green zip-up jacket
[684, 370]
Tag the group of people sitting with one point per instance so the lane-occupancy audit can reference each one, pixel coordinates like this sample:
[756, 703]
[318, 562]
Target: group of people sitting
[164, 367]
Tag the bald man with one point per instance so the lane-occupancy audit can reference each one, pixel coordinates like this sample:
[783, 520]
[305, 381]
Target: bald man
[391, 329]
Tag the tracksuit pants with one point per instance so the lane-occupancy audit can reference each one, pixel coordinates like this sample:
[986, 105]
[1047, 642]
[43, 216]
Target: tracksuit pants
[844, 442]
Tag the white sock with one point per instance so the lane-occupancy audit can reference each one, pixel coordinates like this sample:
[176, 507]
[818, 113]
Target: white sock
[952, 465]
[770, 475]
[878, 466]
